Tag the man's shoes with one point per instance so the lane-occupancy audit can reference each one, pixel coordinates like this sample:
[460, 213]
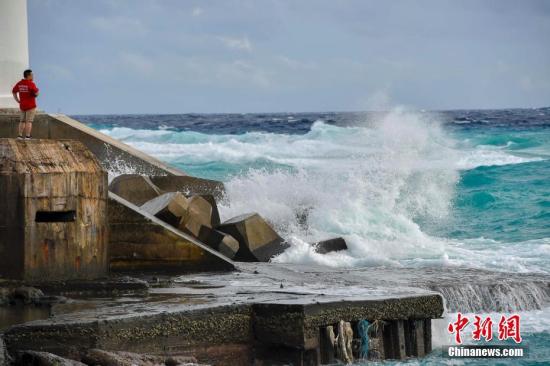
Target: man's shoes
[20, 137]
[28, 137]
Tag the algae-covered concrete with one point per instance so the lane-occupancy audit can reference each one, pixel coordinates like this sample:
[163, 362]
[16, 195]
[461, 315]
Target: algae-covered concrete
[226, 318]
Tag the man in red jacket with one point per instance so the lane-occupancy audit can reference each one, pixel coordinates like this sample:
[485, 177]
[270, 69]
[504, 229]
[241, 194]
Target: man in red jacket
[27, 91]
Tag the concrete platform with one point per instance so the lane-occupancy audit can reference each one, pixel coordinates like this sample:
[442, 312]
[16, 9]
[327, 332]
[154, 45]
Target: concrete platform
[264, 310]
[223, 318]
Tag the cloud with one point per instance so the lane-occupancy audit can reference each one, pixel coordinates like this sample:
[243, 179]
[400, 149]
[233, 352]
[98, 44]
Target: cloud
[236, 43]
[118, 25]
[58, 72]
[296, 64]
[136, 62]
[197, 11]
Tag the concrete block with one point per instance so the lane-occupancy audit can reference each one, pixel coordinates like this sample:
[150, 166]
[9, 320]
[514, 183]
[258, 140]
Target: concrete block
[201, 212]
[330, 245]
[414, 338]
[419, 350]
[214, 212]
[169, 207]
[394, 340]
[258, 242]
[134, 188]
[217, 240]
[53, 216]
[189, 185]
[327, 343]
[427, 336]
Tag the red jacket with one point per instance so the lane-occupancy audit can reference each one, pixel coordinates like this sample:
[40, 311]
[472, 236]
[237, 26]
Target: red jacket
[27, 94]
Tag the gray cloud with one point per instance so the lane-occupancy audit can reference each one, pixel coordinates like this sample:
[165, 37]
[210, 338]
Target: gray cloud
[169, 56]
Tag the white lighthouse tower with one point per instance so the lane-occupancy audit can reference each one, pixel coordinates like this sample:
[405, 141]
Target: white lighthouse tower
[14, 47]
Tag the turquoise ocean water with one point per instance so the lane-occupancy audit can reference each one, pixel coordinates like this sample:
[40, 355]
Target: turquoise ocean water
[468, 189]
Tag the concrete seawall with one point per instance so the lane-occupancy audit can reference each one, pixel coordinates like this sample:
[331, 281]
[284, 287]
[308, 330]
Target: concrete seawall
[178, 250]
[137, 242]
[114, 155]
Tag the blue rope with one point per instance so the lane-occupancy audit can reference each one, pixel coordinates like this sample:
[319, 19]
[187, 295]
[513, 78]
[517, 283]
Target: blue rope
[363, 327]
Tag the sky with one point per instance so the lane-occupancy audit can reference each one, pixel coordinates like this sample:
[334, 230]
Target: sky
[238, 56]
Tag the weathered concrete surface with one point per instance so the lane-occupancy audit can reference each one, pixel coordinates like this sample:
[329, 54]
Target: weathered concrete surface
[189, 185]
[106, 358]
[111, 286]
[257, 240]
[35, 358]
[330, 245]
[164, 330]
[169, 207]
[141, 241]
[52, 220]
[134, 188]
[114, 155]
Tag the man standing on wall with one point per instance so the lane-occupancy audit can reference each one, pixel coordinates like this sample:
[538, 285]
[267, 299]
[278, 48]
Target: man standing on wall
[27, 91]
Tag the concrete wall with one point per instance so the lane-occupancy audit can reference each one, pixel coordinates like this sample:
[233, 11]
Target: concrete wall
[52, 220]
[140, 241]
[115, 156]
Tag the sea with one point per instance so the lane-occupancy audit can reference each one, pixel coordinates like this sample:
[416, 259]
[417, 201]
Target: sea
[467, 189]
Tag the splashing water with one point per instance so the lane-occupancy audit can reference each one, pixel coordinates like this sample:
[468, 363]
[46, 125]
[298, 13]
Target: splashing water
[364, 183]
[391, 186]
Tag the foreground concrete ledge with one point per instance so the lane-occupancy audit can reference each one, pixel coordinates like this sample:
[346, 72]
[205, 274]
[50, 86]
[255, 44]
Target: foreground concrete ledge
[114, 285]
[190, 329]
[224, 318]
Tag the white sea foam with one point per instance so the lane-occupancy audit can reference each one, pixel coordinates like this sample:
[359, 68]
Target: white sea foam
[369, 184]
[484, 156]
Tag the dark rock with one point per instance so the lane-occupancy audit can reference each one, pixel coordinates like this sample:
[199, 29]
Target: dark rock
[134, 188]
[119, 358]
[258, 242]
[34, 358]
[169, 207]
[6, 294]
[330, 245]
[189, 185]
[4, 357]
[28, 295]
